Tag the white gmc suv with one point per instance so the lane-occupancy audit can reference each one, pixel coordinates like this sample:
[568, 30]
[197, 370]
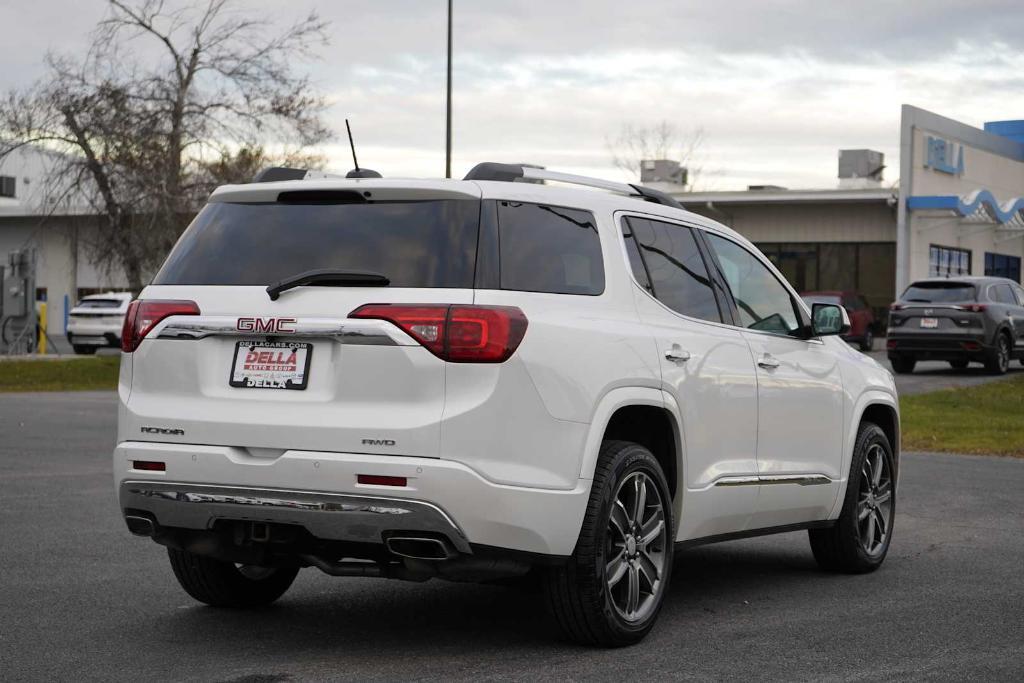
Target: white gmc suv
[478, 379]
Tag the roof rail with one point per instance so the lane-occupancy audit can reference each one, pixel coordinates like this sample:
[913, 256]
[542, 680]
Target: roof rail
[511, 172]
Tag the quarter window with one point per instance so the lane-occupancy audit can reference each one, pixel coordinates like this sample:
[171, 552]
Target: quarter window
[763, 303]
[678, 276]
[549, 249]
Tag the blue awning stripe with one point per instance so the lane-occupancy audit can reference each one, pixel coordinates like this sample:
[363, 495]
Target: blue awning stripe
[967, 206]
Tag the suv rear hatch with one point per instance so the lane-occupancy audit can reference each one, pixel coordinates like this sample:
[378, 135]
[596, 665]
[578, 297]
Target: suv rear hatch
[936, 307]
[234, 367]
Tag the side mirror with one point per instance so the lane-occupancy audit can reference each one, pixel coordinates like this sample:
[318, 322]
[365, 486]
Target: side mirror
[829, 319]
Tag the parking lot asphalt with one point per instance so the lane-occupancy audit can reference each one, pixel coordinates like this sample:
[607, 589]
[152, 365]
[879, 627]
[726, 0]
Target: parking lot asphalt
[933, 375]
[82, 599]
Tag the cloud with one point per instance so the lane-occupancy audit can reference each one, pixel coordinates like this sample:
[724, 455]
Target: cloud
[778, 86]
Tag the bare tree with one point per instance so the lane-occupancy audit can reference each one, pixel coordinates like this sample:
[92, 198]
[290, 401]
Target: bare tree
[662, 140]
[167, 102]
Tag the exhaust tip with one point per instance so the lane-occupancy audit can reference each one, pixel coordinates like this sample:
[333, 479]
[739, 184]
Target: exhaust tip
[140, 526]
[420, 547]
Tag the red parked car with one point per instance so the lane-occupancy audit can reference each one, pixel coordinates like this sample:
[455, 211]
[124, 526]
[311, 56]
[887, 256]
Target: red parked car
[862, 318]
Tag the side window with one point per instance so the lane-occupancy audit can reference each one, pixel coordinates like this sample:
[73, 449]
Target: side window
[636, 262]
[678, 276]
[763, 303]
[1019, 291]
[549, 249]
[1002, 293]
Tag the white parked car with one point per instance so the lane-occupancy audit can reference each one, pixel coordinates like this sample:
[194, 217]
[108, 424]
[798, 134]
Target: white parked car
[97, 321]
[477, 379]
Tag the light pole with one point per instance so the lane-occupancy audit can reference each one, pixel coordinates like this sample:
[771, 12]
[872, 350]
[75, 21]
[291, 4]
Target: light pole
[448, 111]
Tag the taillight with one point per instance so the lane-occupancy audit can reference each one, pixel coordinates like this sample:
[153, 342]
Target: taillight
[896, 307]
[976, 308]
[143, 315]
[456, 333]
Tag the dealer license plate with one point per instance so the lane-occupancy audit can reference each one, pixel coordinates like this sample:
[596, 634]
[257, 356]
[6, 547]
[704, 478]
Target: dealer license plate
[930, 322]
[271, 365]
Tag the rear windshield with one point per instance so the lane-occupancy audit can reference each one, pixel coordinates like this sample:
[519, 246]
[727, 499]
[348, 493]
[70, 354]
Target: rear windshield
[100, 303]
[939, 292]
[414, 243]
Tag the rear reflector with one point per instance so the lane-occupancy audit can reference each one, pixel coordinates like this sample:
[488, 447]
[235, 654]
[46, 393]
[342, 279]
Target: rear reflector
[890, 344]
[143, 315]
[380, 480]
[149, 465]
[970, 345]
[456, 333]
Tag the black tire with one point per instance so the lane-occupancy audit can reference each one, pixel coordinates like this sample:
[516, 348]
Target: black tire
[841, 547]
[958, 364]
[579, 595]
[868, 342]
[84, 349]
[222, 584]
[998, 360]
[902, 365]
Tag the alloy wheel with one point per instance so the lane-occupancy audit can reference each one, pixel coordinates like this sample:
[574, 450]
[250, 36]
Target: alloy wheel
[636, 543]
[874, 502]
[1004, 354]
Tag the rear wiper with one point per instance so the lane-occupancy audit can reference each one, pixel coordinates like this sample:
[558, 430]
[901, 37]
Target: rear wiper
[328, 277]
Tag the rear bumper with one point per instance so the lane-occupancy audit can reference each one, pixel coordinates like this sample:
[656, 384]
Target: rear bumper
[327, 516]
[91, 338]
[939, 347]
[318, 491]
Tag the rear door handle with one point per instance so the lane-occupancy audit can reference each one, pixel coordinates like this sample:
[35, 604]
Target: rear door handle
[677, 354]
[768, 362]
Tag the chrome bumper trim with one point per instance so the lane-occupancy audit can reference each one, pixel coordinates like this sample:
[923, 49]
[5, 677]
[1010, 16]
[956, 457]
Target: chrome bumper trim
[343, 330]
[329, 516]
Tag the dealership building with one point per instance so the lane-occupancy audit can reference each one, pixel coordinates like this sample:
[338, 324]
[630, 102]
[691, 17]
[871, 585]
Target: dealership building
[957, 210]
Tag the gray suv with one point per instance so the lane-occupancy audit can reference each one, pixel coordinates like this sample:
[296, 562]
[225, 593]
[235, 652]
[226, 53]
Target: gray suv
[959, 320]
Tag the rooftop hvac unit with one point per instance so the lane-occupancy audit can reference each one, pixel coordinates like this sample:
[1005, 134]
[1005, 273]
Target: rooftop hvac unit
[861, 163]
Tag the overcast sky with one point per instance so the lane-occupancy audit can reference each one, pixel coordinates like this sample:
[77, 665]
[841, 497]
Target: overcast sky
[777, 86]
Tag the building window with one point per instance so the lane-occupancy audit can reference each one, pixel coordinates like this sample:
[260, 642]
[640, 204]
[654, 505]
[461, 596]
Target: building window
[7, 184]
[946, 261]
[1002, 265]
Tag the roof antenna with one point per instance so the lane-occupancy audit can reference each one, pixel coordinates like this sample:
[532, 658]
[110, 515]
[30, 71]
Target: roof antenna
[357, 172]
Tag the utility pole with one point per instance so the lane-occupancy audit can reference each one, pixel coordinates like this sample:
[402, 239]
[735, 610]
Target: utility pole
[448, 122]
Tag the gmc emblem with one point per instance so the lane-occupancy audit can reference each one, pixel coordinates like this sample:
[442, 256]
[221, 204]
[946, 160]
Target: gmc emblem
[266, 325]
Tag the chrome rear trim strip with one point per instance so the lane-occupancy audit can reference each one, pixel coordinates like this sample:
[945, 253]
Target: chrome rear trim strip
[342, 330]
[332, 516]
[801, 479]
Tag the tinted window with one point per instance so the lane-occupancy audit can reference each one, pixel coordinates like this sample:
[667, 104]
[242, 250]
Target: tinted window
[415, 244]
[821, 299]
[939, 292]
[549, 249]
[636, 262]
[763, 303]
[1002, 293]
[1020, 294]
[679, 277]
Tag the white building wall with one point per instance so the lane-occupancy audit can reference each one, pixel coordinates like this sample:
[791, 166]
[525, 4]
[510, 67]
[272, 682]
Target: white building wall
[985, 168]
